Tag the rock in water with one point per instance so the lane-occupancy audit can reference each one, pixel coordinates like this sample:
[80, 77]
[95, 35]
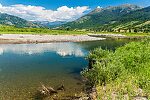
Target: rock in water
[61, 88]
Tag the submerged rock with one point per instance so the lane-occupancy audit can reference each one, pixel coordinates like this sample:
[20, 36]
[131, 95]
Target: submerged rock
[44, 92]
[61, 88]
[47, 90]
[93, 94]
[140, 98]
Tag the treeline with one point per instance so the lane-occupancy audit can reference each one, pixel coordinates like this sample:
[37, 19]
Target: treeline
[142, 29]
[133, 28]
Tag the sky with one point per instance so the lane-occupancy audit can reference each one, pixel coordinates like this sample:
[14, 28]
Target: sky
[58, 10]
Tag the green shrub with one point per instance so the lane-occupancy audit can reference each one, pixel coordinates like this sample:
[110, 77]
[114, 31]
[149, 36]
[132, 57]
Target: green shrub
[130, 62]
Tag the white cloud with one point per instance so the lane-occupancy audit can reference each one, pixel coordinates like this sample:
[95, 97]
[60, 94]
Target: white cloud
[99, 7]
[1, 5]
[38, 13]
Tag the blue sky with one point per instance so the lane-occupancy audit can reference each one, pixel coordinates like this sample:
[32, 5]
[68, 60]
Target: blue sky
[58, 10]
[53, 4]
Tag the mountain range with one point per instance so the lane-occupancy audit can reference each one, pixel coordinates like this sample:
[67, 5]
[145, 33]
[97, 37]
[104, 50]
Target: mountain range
[125, 17]
[6, 19]
[48, 24]
[114, 18]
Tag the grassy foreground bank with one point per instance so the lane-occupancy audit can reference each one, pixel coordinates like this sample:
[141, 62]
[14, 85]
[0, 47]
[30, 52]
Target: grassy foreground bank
[123, 74]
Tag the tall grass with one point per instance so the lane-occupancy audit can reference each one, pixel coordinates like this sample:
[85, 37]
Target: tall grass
[124, 71]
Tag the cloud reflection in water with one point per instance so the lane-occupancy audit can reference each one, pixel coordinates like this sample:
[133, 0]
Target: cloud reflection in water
[63, 49]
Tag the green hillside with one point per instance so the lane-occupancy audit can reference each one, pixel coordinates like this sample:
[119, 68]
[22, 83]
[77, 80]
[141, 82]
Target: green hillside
[136, 21]
[101, 16]
[124, 18]
[6, 19]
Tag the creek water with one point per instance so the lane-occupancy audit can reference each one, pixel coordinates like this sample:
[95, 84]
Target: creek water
[24, 67]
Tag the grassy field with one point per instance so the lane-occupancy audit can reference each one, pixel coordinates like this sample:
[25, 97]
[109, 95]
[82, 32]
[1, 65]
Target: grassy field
[127, 33]
[14, 30]
[49, 32]
[122, 74]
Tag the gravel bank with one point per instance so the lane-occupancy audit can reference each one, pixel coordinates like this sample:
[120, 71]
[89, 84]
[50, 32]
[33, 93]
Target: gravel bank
[107, 35]
[116, 36]
[24, 38]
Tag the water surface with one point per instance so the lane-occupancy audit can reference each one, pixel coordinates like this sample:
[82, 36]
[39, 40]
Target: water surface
[23, 67]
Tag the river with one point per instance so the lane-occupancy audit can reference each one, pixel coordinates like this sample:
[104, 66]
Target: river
[24, 67]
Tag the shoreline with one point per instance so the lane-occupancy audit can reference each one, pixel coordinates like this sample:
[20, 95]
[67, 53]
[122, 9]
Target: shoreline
[29, 38]
[116, 36]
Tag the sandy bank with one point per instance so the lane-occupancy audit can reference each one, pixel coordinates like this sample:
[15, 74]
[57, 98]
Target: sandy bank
[24, 38]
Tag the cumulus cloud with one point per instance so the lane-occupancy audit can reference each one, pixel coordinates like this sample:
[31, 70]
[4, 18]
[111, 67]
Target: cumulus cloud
[38, 13]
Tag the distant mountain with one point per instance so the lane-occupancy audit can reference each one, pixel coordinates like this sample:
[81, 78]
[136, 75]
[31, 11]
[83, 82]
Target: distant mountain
[48, 24]
[138, 20]
[6, 19]
[138, 15]
[101, 16]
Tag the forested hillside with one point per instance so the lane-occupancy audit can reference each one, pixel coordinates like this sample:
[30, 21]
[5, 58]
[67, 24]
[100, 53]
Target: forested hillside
[124, 18]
